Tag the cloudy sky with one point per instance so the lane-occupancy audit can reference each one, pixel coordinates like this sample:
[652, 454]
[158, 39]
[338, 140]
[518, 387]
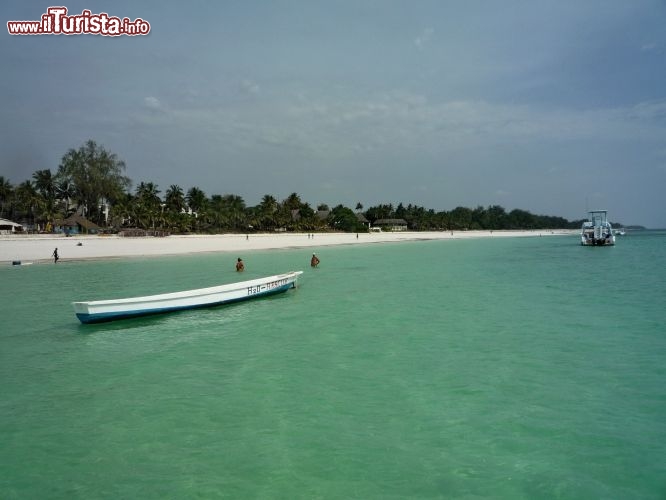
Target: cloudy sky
[552, 106]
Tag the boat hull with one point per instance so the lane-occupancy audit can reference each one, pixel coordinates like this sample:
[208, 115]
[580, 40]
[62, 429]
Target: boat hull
[110, 310]
[609, 242]
[597, 231]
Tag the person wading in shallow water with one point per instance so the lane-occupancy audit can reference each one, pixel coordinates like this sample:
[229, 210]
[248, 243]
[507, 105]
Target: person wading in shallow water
[55, 256]
[314, 261]
[240, 267]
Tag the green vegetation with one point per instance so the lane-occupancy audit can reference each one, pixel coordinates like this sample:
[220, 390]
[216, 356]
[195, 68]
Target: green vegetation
[90, 181]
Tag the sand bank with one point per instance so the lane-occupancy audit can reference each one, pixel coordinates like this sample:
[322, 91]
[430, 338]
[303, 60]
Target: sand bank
[38, 248]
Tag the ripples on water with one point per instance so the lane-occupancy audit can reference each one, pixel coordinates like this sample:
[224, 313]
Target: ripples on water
[504, 368]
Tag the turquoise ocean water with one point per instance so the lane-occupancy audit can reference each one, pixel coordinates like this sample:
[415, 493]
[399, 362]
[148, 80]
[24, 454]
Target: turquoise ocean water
[497, 368]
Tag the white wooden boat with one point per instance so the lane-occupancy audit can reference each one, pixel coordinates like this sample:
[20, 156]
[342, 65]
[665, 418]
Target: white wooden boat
[597, 231]
[99, 311]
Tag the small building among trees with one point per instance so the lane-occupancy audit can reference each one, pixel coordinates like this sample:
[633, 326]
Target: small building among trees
[361, 218]
[75, 224]
[391, 224]
[9, 227]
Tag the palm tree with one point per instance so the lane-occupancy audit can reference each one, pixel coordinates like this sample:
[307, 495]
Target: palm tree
[252, 217]
[292, 202]
[44, 183]
[64, 191]
[234, 206]
[148, 194]
[196, 199]
[284, 217]
[149, 202]
[121, 211]
[308, 219]
[173, 208]
[268, 211]
[28, 200]
[217, 211]
[174, 198]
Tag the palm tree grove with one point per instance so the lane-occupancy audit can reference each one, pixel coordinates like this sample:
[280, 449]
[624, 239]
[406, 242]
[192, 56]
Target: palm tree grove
[90, 182]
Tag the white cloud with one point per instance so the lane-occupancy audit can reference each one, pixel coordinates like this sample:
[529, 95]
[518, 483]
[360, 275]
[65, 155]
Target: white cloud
[411, 121]
[249, 87]
[651, 110]
[423, 38]
[152, 103]
[390, 123]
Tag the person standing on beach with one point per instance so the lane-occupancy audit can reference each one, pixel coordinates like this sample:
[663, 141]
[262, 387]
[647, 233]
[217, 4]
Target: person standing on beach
[314, 261]
[240, 267]
[55, 256]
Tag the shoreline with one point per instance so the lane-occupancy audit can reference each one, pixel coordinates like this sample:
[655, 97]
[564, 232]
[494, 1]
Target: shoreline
[38, 248]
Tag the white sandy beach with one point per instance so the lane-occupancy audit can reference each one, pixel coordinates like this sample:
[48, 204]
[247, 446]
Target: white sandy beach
[38, 248]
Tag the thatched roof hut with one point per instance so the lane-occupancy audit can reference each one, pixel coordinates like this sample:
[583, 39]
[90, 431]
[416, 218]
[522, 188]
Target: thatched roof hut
[9, 227]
